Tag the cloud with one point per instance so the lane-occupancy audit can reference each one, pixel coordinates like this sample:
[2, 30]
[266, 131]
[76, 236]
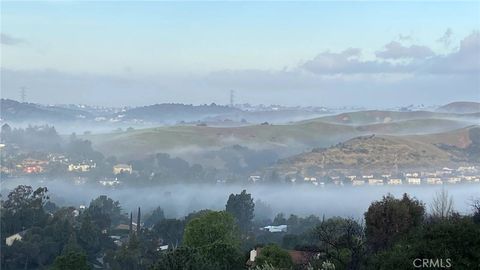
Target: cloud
[347, 62]
[465, 61]
[6, 39]
[330, 78]
[395, 50]
[446, 39]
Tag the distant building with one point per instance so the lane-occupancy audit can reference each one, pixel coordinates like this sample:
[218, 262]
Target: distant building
[81, 167]
[254, 178]
[275, 229]
[358, 182]
[375, 182]
[395, 181]
[32, 166]
[122, 168]
[434, 181]
[414, 180]
[15, 237]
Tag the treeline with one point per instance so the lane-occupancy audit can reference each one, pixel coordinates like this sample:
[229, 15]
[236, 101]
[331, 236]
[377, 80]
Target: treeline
[43, 142]
[395, 232]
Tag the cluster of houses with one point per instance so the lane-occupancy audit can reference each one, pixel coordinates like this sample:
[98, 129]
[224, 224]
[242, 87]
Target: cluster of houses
[462, 174]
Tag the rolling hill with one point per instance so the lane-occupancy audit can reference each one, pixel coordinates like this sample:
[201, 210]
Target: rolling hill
[286, 139]
[12, 110]
[385, 153]
[460, 107]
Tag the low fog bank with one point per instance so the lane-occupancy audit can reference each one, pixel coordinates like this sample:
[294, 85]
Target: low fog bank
[179, 200]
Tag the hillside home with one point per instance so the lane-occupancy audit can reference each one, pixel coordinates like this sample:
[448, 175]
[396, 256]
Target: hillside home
[254, 178]
[358, 182]
[395, 181]
[434, 181]
[375, 182]
[414, 180]
[275, 229]
[122, 168]
[14, 237]
[81, 167]
[454, 180]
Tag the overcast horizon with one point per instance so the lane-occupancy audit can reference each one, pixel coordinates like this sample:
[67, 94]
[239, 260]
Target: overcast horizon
[333, 55]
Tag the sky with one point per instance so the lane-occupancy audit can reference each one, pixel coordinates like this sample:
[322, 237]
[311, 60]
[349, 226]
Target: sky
[369, 54]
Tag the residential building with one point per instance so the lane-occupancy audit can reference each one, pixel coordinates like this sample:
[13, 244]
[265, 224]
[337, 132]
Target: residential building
[122, 168]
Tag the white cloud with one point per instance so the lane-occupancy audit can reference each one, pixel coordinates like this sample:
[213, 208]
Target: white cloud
[395, 50]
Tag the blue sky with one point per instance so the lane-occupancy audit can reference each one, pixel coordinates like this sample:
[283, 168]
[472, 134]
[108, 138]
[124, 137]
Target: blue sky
[195, 52]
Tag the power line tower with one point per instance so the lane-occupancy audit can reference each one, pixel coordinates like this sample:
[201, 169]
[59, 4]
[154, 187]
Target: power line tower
[23, 94]
[232, 98]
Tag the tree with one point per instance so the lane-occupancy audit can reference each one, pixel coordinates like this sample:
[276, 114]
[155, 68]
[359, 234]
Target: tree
[105, 212]
[72, 260]
[389, 219]
[156, 216]
[242, 207]
[23, 209]
[275, 256]
[215, 235]
[456, 239]
[476, 211]
[184, 258]
[442, 205]
[343, 241]
[170, 231]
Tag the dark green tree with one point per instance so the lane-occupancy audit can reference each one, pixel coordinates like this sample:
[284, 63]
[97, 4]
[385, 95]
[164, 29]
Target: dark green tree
[71, 260]
[389, 219]
[275, 256]
[184, 258]
[156, 216]
[215, 235]
[242, 207]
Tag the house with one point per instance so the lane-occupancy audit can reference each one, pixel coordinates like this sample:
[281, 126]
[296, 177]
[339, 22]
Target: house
[414, 180]
[32, 166]
[122, 168]
[275, 229]
[375, 182]
[15, 237]
[352, 177]
[81, 167]
[434, 180]
[395, 181]
[358, 182]
[110, 183]
[454, 180]
[254, 178]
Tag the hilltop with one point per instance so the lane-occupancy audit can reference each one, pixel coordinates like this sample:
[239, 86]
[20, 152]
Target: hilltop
[460, 107]
[12, 110]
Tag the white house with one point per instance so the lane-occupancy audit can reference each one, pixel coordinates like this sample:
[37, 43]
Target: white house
[15, 237]
[275, 229]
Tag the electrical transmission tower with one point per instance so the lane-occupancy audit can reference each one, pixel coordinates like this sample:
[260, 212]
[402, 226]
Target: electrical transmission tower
[23, 94]
[232, 98]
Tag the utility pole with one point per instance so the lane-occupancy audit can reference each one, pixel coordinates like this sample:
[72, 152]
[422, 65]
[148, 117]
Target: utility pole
[23, 94]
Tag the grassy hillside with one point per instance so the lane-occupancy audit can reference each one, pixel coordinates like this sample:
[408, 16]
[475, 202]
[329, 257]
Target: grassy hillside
[461, 107]
[286, 139]
[387, 153]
